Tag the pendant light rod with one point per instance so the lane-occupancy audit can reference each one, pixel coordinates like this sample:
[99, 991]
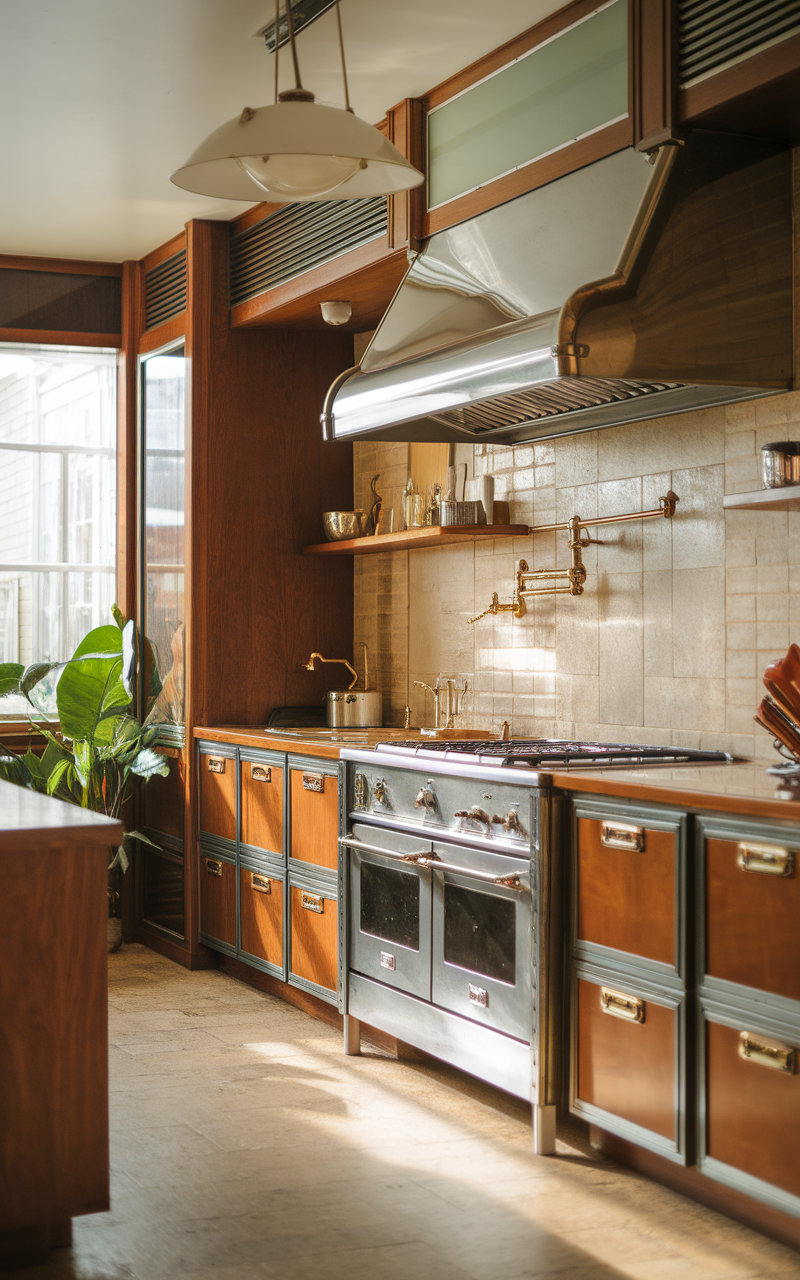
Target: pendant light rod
[297, 81]
[347, 106]
[277, 44]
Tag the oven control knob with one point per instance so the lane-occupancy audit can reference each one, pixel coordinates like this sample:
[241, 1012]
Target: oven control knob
[381, 791]
[476, 815]
[426, 799]
[510, 824]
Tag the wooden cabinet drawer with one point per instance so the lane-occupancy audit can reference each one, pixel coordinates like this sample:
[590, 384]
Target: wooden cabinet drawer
[752, 912]
[218, 899]
[262, 806]
[163, 798]
[315, 937]
[627, 887]
[752, 1104]
[626, 1057]
[218, 795]
[315, 817]
[261, 915]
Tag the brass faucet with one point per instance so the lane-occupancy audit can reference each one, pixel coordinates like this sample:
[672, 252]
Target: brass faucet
[309, 666]
[452, 693]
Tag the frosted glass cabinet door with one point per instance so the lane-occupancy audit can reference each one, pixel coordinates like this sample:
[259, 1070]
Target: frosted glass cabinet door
[162, 553]
[563, 89]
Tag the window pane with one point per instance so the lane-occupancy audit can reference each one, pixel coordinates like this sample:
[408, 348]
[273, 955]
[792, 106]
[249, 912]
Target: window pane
[58, 501]
[164, 380]
[560, 91]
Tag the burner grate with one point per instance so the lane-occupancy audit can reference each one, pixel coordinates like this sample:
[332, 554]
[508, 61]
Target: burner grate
[536, 752]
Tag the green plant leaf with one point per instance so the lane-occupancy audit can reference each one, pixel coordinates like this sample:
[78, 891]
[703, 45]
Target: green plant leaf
[90, 678]
[120, 859]
[149, 763]
[141, 837]
[56, 775]
[34, 674]
[83, 760]
[10, 676]
[130, 657]
[118, 616]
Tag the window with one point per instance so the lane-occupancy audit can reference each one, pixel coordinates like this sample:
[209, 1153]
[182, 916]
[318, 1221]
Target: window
[57, 500]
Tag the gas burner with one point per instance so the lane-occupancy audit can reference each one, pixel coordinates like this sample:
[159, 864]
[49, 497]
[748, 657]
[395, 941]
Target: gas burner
[536, 753]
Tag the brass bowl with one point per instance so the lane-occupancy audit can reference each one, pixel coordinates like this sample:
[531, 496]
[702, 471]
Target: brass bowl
[340, 525]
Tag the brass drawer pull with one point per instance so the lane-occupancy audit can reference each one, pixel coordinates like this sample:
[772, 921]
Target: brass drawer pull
[216, 764]
[213, 867]
[768, 1053]
[631, 1008]
[313, 902]
[769, 859]
[314, 782]
[261, 884]
[620, 835]
[260, 773]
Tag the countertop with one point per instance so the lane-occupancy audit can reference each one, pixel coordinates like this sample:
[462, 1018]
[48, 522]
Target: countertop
[28, 818]
[742, 787]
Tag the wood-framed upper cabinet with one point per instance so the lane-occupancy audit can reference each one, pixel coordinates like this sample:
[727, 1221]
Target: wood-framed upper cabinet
[287, 259]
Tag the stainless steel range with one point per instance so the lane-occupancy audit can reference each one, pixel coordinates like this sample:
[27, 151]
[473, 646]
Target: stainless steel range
[452, 885]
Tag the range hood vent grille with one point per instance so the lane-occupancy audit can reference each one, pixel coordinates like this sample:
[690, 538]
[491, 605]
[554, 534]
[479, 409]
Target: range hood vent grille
[715, 33]
[165, 291]
[297, 238]
[568, 395]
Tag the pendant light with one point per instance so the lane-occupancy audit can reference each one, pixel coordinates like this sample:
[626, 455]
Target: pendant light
[296, 149]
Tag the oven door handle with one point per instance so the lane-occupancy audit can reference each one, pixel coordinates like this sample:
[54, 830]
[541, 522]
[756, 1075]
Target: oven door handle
[511, 881]
[417, 859]
[428, 860]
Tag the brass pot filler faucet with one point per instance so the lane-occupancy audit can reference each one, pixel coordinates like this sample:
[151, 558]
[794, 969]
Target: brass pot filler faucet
[574, 577]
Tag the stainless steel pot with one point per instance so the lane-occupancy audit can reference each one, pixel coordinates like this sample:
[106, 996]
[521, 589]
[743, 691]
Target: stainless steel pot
[780, 463]
[353, 708]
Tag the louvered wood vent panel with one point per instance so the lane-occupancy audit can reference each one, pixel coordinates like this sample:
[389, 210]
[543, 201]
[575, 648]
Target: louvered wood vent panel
[565, 396]
[165, 290]
[297, 238]
[715, 33]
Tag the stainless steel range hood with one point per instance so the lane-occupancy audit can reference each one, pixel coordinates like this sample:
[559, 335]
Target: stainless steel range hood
[622, 291]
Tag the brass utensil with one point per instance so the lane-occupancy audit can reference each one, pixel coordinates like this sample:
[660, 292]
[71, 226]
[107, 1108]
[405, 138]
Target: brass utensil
[771, 718]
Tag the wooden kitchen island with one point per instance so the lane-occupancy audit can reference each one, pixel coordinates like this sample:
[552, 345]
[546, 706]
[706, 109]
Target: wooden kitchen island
[53, 1020]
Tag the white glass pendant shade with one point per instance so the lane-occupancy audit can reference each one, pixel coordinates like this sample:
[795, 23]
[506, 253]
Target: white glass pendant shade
[298, 177]
[296, 150]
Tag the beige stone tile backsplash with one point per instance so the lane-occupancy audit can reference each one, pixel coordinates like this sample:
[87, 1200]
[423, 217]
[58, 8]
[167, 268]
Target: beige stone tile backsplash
[678, 619]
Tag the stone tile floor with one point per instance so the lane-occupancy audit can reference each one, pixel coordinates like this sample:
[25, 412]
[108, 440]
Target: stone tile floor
[245, 1145]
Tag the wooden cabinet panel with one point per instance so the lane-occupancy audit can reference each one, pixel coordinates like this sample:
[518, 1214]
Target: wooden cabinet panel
[624, 1067]
[626, 896]
[752, 917]
[218, 899]
[261, 915]
[163, 798]
[315, 937]
[752, 1110]
[262, 806]
[315, 818]
[218, 796]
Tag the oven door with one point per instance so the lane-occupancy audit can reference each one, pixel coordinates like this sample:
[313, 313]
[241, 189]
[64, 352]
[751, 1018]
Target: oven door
[482, 938]
[390, 909]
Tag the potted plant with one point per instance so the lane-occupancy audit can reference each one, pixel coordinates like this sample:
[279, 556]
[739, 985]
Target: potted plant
[96, 750]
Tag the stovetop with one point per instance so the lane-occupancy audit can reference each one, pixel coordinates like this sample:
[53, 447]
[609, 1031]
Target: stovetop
[538, 753]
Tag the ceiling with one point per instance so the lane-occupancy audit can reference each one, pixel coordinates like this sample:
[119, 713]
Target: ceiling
[101, 99]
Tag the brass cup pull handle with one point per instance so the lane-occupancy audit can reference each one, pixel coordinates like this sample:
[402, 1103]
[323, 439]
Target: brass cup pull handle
[260, 773]
[768, 859]
[213, 867]
[767, 1053]
[631, 1008]
[261, 884]
[313, 902]
[216, 764]
[620, 835]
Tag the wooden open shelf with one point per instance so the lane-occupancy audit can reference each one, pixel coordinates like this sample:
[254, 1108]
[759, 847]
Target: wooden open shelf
[784, 499]
[413, 539]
